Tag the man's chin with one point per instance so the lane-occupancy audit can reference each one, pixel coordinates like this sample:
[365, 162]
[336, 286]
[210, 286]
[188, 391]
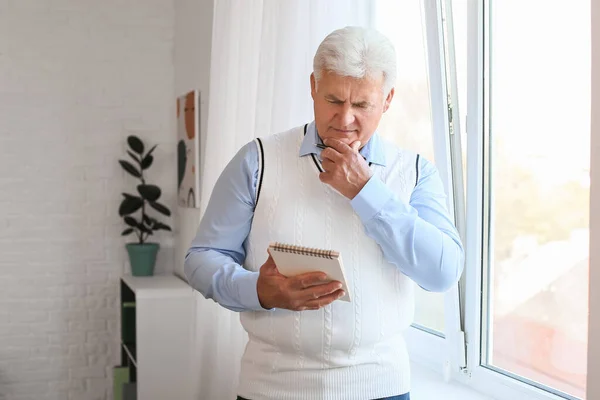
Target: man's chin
[343, 140]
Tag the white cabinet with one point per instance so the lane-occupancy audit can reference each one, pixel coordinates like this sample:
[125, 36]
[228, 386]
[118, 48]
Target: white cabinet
[156, 335]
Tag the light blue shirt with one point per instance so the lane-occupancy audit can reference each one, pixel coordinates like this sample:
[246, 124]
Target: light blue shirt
[418, 237]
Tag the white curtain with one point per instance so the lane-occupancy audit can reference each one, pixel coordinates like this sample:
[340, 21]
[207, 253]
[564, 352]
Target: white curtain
[261, 62]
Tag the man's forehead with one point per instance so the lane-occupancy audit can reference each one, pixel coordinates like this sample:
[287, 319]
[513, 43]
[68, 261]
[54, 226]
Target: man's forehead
[336, 85]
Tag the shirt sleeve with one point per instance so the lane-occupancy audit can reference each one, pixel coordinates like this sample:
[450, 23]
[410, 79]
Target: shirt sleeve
[213, 261]
[420, 237]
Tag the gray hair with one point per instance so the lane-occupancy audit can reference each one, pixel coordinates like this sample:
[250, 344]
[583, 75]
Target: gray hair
[358, 53]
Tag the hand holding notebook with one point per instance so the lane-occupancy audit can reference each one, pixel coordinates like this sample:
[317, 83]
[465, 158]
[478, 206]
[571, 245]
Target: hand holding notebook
[295, 260]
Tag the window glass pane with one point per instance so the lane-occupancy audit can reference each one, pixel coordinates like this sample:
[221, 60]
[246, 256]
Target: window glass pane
[408, 121]
[539, 191]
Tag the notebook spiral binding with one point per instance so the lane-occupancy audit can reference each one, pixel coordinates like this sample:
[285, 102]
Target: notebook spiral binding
[307, 251]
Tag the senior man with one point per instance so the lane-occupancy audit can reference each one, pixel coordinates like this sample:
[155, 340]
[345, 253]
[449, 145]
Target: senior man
[332, 183]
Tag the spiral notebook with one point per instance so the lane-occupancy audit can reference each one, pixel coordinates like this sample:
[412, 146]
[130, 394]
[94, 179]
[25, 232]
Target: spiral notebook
[295, 260]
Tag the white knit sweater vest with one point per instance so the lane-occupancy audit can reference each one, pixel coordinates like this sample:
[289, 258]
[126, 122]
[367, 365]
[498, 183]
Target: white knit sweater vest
[344, 351]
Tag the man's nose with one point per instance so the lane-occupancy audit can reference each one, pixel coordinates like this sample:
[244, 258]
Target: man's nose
[346, 116]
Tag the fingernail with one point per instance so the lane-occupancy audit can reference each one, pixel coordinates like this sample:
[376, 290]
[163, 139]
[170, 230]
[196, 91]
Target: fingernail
[342, 294]
[338, 286]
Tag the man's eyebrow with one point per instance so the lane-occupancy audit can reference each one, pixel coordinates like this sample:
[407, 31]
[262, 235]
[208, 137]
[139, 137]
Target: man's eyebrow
[363, 103]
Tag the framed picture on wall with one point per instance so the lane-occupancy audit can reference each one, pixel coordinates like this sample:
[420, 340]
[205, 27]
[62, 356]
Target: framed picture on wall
[188, 149]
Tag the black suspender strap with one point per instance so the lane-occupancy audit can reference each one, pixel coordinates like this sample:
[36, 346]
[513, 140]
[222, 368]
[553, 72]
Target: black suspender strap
[262, 169]
[417, 168]
[317, 163]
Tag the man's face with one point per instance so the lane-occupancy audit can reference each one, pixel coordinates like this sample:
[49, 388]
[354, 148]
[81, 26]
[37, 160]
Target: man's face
[348, 109]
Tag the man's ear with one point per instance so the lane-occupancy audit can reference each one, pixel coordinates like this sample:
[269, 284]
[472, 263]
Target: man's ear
[388, 100]
[313, 86]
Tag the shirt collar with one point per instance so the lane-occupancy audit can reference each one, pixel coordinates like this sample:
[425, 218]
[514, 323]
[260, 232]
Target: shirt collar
[373, 151]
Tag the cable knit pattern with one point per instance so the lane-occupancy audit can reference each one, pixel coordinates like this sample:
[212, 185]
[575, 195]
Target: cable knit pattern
[357, 295]
[349, 351]
[327, 311]
[252, 255]
[379, 310]
[299, 227]
[271, 217]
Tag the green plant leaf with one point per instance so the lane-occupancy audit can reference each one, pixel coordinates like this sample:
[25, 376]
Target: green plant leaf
[136, 144]
[127, 232]
[132, 222]
[136, 158]
[149, 192]
[160, 226]
[129, 205]
[147, 162]
[130, 168]
[138, 225]
[144, 229]
[151, 150]
[160, 208]
[148, 221]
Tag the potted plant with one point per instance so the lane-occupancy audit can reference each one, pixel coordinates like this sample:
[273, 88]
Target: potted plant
[142, 254]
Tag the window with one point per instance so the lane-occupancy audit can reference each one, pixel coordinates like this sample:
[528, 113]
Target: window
[537, 193]
[526, 297]
[521, 317]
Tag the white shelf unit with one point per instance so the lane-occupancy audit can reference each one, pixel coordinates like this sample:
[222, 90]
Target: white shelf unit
[156, 335]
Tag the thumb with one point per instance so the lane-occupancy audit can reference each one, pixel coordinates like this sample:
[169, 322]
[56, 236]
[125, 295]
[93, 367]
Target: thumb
[268, 267]
[270, 263]
[355, 146]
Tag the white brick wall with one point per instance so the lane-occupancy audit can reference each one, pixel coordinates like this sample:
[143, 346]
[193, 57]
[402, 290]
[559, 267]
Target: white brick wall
[76, 77]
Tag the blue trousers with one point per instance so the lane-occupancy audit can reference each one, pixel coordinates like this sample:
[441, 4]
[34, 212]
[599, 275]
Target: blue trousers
[405, 396]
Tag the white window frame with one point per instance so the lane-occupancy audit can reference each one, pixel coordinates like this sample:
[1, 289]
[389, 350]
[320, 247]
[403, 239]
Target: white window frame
[458, 354]
[424, 346]
[593, 371]
[479, 377]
